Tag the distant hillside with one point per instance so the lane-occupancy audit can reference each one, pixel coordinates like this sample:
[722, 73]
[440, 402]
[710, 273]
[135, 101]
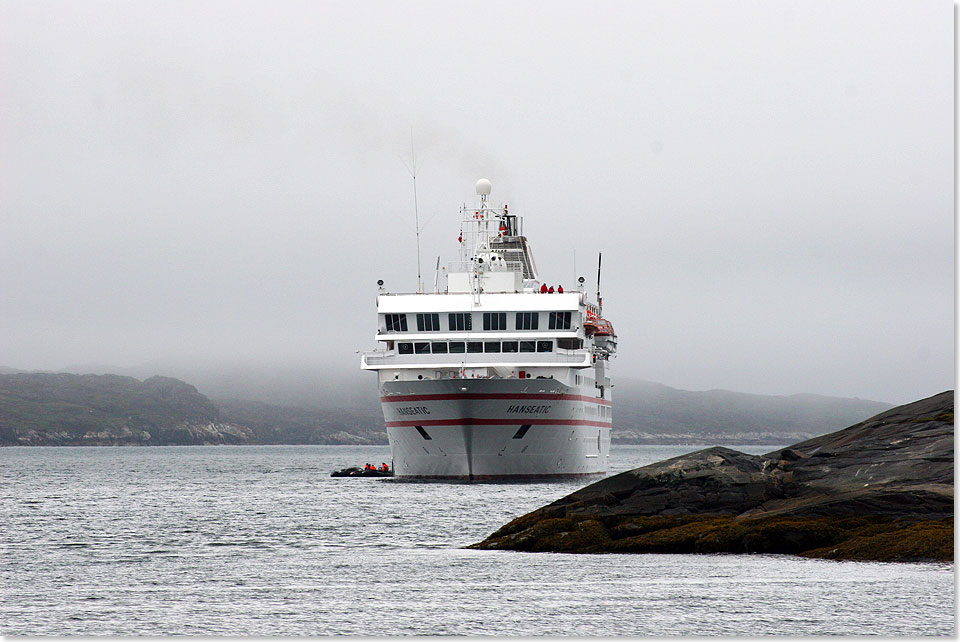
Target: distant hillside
[652, 413]
[72, 410]
[58, 409]
[310, 400]
[38, 408]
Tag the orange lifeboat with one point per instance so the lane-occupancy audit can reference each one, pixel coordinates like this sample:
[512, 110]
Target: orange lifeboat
[595, 325]
[604, 328]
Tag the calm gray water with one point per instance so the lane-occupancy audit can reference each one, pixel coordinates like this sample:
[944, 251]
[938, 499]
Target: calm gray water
[260, 540]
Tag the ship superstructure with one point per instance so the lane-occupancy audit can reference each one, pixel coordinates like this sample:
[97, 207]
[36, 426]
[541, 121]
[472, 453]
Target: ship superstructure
[498, 376]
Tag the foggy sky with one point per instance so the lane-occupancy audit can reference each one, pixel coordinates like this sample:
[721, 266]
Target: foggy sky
[770, 183]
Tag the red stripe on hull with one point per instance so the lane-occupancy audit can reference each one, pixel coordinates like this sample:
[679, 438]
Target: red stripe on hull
[474, 421]
[480, 395]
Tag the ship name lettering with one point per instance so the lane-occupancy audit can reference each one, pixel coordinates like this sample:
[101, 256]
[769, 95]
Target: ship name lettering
[529, 410]
[413, 410]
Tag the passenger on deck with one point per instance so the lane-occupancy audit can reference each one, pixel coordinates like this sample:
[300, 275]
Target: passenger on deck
[384, 467]
[559, 289]
[543, 289]
[550, 290]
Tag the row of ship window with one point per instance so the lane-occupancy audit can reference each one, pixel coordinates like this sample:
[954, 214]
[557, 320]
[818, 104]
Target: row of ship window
[463, 321]
[475, 347]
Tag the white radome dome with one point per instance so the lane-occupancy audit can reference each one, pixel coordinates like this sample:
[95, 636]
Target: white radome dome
[484, 187]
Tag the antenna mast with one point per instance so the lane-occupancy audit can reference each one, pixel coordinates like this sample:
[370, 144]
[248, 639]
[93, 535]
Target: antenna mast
[416, 211]
[599, 298]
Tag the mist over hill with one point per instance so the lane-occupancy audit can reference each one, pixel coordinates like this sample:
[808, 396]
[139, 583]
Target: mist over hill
[305, 386]
[651, 413]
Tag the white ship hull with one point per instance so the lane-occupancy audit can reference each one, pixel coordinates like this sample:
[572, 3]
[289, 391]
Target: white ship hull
[498, 375]
[495, 429]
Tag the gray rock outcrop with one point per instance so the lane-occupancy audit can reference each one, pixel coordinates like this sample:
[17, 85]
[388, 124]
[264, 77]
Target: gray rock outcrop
[898, 463]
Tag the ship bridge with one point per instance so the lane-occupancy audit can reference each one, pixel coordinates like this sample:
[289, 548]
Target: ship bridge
[502, 329]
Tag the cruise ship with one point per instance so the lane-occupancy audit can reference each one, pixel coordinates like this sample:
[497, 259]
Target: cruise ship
[498, 375]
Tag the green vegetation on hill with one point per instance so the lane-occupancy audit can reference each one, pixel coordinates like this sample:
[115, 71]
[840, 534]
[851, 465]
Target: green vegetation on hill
[65, 409]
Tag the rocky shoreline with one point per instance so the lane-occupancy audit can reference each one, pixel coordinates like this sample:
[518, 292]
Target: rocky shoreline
[879, 490]
[213, 433]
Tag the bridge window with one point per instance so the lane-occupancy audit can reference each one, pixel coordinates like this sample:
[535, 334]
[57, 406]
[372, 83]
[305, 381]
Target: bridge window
[460, 321]
[439, 347]
[428, 322]
[421, 348]
[509, 346]
[528, 320]
[491, 346]
[528, 346]
[559, 321]
[494, 320]
[544, 346]
[474, 347]
[396, 322]
[570, 344]
[405, 348]
[458, 347]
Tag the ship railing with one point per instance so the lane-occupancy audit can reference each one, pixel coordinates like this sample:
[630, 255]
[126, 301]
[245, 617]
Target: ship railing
[433, 292]
[498, 266]
[377, 359]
